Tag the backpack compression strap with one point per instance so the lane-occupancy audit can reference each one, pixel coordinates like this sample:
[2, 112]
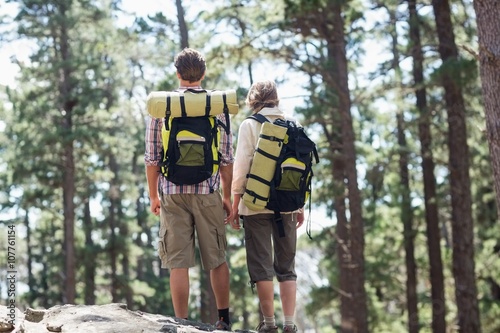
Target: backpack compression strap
[225, 110]
[227, 127]
[168, 112]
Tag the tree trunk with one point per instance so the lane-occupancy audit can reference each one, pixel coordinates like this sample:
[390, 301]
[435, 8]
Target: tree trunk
[140, 211]
[409, 233]
[337, 52]
[404, 190]
[488, 26]
[208, 306]
[114, 225]
[341, 235]
[343, 244]
[182, 24]
[89, 259]
[29, 263]
[431, 208]
[139, 265]
[68, 173]
[124, 250]
[324, 21]
[461, 201]
[69, 225]
[113, 255]
[122, 244]
[44, 278]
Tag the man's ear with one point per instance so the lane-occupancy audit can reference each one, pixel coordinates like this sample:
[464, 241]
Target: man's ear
[178, 75]
[203, 76]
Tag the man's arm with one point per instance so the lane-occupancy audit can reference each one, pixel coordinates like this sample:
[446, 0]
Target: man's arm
[226, 178]
[152, 176]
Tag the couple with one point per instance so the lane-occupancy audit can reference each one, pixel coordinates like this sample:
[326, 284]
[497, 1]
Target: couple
[186, 208]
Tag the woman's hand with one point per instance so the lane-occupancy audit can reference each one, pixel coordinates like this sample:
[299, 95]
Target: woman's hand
[235, 220]
[300, 218]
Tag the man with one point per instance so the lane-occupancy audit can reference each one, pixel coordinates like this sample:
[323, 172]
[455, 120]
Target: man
[186, 208]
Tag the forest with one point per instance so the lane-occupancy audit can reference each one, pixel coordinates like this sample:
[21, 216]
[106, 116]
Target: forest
[402, 98]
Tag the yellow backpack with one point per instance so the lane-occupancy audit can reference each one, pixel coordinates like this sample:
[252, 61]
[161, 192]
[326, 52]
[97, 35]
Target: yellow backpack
[190, 134]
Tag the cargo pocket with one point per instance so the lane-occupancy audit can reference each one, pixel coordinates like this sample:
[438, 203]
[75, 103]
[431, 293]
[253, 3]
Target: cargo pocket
[162, 244]
[292, 175]
[191, 149]
[222, 241]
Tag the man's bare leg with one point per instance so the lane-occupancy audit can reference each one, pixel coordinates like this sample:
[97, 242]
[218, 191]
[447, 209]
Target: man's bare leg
[179, 289]
[219, 278]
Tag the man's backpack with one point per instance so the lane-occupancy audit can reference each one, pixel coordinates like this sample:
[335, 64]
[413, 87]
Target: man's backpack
[290, 186]
[191, 143]
[190, 149]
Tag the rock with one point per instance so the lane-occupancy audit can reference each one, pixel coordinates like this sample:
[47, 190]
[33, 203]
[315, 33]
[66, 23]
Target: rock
[54, 328]
[109, 318]
[33, 315]
[5, 326]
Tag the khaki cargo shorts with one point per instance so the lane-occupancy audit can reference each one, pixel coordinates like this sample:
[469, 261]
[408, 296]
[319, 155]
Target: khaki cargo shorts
[182, 216]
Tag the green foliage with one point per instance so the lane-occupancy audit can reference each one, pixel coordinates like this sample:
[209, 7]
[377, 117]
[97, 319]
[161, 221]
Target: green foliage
[113, 66]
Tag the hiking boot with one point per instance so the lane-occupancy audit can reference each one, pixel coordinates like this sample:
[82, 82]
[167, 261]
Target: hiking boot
[290, 329]
[262, 328]
[222, 325]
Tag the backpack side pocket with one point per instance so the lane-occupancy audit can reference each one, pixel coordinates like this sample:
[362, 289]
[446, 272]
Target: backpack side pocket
[292, 175]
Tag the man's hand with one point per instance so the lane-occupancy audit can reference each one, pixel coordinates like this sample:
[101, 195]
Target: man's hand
[155, 206]
[227, 208]
[152, 176]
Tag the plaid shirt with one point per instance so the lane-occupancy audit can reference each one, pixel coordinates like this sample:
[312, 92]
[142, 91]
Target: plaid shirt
[153, 156]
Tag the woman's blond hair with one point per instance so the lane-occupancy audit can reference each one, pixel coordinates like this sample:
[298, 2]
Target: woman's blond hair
[262, 94]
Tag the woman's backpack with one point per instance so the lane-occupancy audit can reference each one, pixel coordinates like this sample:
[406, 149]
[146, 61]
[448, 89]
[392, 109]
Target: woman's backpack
[290, 186]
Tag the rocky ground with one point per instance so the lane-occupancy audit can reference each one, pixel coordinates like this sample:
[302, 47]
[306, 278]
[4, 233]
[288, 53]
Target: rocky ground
[109, 318]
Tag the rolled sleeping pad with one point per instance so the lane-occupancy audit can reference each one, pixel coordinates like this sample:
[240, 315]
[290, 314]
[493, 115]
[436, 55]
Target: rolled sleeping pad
[191, 103]
[263, 165]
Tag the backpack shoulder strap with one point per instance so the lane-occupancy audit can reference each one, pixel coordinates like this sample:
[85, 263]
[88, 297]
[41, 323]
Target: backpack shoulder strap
[260, 118]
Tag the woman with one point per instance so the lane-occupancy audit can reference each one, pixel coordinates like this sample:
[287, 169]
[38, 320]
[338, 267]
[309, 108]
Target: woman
[267, 253]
